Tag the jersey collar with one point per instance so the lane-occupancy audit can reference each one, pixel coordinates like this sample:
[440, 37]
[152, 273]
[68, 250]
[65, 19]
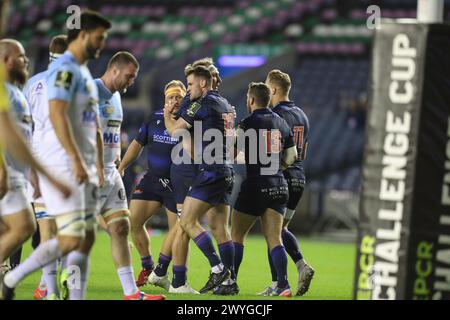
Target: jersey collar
[103, 91]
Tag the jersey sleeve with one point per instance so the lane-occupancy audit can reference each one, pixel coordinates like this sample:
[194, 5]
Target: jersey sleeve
[195, 112]
[142, 137]
[287, 134]
[62, 82]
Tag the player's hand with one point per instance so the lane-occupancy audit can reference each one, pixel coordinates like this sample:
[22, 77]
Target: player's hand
[65, 190]
[34, 180]
[121, 171]
[168, 108]
[4, 183]
[101, 177]
[80, 171]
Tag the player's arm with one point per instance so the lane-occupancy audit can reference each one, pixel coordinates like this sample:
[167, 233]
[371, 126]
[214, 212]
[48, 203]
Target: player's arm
[3, 176]
[289, 148]
[63, 129]
[239, 143]
[100, 150]
[289, 157]
[133, 152]
[16, 145]
[303, 155]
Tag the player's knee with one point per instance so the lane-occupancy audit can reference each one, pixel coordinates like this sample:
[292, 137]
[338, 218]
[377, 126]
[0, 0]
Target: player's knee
[25, 229]
[186, 225]
[120, 228]
[68, 244]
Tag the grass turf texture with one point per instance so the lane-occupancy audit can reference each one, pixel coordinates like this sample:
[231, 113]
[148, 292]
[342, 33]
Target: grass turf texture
[333, 262]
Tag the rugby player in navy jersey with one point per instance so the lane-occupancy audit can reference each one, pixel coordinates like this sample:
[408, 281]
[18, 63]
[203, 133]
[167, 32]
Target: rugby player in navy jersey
[155, 188]
[280, 85]
[182, 176]
[263, 134]
[211, 189]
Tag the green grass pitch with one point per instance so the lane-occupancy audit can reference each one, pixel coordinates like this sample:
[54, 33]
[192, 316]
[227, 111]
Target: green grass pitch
[333, 262]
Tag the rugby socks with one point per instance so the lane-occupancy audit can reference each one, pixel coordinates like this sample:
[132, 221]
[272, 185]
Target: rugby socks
[78, 282]
[238, 255]
[226, 251]
[273, 270]
[291, 245]
[49, 276]
[163, 265]
[205, 244]
[279, 259]
[179, 276]
[147, 263]
[44, 254]
[126, 277]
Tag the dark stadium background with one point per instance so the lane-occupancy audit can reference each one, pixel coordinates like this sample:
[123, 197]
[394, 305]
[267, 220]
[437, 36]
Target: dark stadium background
[325, 45]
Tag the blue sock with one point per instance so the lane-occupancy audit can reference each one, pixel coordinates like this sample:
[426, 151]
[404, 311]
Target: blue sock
[179, 276]
[273, 271]
[238, 255]
[279, 259]
[291, 245]
[147, 263]
[205, 244]
[226, 251]
[163, 264]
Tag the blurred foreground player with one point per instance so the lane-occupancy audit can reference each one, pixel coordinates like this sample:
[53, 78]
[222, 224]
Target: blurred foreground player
[71, 149]
[15, 227]
[35, 92]
[280, 85]
[121, 72]
[263, 134]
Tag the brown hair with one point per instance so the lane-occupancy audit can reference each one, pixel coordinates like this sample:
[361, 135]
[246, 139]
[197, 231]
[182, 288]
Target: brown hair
[201, 72]
[89, 21]
[261, 92]
[122, 58]
[58, 44]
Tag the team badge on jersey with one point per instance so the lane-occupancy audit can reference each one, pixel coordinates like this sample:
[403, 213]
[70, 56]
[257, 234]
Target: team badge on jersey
[63, 79]
[193, 108]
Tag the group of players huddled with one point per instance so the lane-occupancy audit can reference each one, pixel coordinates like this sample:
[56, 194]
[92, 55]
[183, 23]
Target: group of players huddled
[74, 171]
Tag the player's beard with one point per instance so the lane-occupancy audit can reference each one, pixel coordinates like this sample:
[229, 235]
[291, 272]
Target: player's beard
[19, 74]
[92, 52]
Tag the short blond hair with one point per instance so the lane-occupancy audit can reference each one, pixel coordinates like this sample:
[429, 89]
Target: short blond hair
[175, 83]
[280, 79]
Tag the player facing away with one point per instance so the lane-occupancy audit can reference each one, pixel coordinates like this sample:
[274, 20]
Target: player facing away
[263, 134]
[182, 177]
[121, 72]
[280, 85]
[17, 220]
[155, 188]
[35, 92]
[72, 148]
[211, 189]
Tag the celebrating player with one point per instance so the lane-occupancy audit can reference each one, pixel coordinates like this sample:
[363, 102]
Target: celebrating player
[35, 92]
[71, 149]
[121, 72]
[212, 186]
[182, 177]
[263, 133]
[280, 85]
[155, 188]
